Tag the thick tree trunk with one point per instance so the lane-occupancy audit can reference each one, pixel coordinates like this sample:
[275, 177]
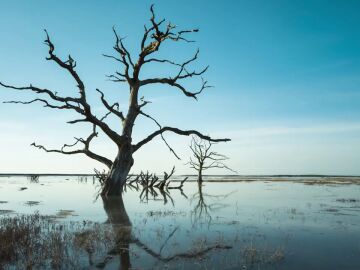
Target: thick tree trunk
[124, 160]
[119, 171]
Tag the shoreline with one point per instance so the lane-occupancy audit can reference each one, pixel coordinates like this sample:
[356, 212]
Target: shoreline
[194, 175]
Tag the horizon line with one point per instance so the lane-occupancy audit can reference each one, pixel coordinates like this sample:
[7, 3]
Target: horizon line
[189, 175]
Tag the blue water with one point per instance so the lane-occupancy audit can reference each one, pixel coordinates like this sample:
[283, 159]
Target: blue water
[268, 224]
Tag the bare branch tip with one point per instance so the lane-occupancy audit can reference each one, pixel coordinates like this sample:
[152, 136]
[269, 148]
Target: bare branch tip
[47, 34]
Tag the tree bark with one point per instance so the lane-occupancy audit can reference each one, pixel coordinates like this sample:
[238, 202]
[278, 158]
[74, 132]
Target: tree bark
[119, 171]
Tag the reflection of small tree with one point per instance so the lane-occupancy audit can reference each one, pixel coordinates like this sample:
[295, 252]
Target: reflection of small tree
[205, 205]
[202, 209]
[203, 158]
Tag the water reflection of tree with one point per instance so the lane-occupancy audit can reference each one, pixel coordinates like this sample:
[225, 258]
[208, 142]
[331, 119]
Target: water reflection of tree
[121, 225]
[205, 205]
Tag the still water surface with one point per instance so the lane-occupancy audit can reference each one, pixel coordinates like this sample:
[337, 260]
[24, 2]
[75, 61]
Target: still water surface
[264, 224]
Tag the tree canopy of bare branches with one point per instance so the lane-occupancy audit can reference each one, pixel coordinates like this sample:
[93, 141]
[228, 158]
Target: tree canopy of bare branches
[156, 33]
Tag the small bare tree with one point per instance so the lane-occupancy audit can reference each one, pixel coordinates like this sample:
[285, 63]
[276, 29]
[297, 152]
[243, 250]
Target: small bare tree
[153, 38]
[203, 158]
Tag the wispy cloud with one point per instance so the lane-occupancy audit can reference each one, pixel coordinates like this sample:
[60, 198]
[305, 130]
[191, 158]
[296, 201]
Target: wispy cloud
[284, 130]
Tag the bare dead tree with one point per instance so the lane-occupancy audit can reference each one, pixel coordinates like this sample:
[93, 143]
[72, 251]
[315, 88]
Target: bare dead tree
[203, 158]
[156, 34]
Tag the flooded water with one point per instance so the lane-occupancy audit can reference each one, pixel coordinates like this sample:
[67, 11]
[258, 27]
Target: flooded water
[268, 223]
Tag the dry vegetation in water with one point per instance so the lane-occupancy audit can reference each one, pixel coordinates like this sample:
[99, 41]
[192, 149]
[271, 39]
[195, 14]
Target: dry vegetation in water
[36, 242]
[39, 242]
[254, 257]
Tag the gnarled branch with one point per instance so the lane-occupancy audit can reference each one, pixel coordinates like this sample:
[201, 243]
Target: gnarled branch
[162, 136]
[69, 65]
[78, 104]
[125, 59]
[172, 82]
[112, 107]
[51, 94]
[183, 73]
[177, 131]
[86, 150]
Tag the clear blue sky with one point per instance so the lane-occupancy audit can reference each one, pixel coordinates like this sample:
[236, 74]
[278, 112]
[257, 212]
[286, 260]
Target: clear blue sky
[286, 77]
